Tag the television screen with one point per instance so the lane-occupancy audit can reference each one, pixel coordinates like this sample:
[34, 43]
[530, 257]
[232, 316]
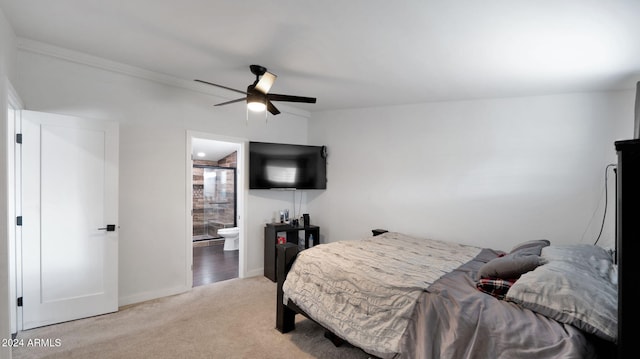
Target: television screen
[285, 166]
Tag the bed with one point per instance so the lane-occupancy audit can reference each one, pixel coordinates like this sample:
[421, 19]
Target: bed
[398, 296]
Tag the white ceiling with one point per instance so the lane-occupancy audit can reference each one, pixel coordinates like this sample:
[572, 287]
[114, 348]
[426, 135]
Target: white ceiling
[356, 53]
[211, 150]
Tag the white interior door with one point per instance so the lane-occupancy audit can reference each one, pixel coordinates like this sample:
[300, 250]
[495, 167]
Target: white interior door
[70, 194]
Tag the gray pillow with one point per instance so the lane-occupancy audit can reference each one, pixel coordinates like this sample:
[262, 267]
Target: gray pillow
[534, 246]
[571, 288]
[510, 266]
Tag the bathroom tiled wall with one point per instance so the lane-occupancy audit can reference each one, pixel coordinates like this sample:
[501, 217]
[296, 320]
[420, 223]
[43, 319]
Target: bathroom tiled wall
[225, 211]
[229, 161]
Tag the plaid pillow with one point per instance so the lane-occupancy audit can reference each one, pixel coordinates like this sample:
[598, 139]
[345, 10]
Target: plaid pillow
[495, 286]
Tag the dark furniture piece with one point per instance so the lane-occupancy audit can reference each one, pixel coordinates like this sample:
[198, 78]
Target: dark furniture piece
[377, 232]
[271, 231]
[628, 242]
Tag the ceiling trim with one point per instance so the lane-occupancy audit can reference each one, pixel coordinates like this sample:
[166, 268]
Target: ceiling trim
[42, 48]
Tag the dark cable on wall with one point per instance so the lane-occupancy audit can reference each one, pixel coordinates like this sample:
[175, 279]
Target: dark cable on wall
[606, 199]
[294, 214]
[299, 209]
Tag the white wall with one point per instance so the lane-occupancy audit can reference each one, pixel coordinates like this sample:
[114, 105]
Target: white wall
[154, 119]
[7, 59]
[488, 172]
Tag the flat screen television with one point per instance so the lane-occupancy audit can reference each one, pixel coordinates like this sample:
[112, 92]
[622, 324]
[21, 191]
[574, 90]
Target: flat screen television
[286, 166]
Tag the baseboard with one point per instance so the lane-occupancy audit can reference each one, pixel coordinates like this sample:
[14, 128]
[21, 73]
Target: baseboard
[254, 273]
[143, 297]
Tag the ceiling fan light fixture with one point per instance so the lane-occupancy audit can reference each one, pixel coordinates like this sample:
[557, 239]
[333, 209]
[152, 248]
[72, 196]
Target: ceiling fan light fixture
[256, 106]
[255, 102]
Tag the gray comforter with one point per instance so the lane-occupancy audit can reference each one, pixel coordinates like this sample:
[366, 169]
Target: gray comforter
[365, 290]
[396, 296]
[455, 320]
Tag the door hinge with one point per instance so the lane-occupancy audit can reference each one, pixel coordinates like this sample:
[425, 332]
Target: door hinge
[19, 138]
[19, 301]
[19, 221]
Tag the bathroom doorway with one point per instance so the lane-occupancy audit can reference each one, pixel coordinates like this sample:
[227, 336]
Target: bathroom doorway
[214, 184]
[214, 199]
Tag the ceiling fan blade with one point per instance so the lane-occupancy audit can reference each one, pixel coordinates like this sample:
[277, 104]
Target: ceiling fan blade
[289, 98]
[224, 87]
[265, 83]
[232, 101]
[271, 108]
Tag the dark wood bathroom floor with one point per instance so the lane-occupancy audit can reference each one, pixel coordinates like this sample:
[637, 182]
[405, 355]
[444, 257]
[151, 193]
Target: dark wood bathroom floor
[213, 264]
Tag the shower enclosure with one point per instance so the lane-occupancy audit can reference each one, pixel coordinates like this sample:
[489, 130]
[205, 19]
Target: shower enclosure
[214, 204]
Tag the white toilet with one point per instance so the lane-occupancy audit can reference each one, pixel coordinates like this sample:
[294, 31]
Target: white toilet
[231, 238]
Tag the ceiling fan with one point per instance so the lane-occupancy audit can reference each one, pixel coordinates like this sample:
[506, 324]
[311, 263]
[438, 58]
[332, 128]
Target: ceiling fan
[257, 95]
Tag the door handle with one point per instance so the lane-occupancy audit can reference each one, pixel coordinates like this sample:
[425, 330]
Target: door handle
[108, 228]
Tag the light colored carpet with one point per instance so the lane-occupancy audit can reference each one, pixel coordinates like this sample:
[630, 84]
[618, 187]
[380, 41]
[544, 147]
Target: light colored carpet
[230, 319]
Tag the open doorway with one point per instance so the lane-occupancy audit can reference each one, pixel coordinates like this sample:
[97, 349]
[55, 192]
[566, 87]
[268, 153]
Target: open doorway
[215, 206]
